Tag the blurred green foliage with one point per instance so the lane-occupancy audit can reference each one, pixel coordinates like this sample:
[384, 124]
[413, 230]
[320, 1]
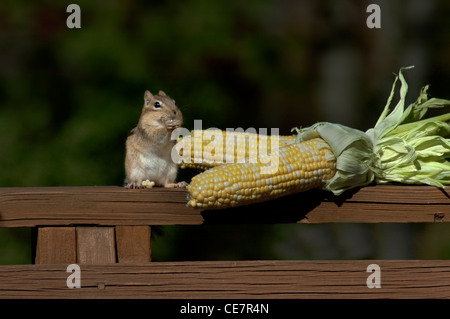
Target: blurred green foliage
[68, 97]
[15, 246]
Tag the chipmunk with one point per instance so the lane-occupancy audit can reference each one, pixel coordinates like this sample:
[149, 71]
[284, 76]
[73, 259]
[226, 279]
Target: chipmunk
[149, 144]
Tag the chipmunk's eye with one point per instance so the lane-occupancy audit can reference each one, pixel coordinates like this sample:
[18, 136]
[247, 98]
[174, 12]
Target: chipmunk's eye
[157, 104]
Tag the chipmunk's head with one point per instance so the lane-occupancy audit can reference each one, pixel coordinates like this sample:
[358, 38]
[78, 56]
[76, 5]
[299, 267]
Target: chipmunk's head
[161, 110]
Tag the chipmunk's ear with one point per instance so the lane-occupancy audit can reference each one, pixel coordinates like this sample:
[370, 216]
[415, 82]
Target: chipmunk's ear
[147, 95]
[161, 92]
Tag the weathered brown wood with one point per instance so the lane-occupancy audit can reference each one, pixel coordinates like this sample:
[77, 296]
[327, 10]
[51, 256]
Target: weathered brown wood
[96, 245]
[133, 244]
[232, 279]
[109, 205]
[94, 205]
[56, 245]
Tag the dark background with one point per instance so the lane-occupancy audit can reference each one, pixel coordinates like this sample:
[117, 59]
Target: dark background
[69, 97]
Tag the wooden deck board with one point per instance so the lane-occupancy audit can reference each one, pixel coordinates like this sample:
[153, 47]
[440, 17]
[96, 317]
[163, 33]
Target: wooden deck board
[112, 206]
[232, 279]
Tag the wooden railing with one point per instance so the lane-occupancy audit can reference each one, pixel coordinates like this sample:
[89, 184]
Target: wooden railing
[106, 232]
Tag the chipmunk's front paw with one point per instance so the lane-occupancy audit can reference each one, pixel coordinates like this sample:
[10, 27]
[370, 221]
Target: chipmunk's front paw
[172, 124]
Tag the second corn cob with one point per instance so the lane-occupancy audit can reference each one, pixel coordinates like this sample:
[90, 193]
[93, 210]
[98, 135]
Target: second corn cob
[233, 147]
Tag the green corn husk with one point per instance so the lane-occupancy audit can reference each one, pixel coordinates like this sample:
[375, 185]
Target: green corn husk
[402, 147]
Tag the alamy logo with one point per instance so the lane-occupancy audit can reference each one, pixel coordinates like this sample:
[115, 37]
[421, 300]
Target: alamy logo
[374, 19]
[374, 280]
[74, 279]
[74, 19]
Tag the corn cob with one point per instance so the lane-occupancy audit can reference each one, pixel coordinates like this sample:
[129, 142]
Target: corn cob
[402, 147]
[200, 143]
[302, 166]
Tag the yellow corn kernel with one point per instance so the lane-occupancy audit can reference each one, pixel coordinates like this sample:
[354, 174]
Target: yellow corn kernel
[203, 149]
[302, 166]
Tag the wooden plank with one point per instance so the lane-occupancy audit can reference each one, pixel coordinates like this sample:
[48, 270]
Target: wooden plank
[133, 244]
[232, 279]
[94, 205]
[96, 245]
[110, 205]
[56, 245]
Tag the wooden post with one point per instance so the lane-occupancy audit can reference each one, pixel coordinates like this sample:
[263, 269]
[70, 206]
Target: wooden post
[56, 245]
[133, 244]
[96, 245]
